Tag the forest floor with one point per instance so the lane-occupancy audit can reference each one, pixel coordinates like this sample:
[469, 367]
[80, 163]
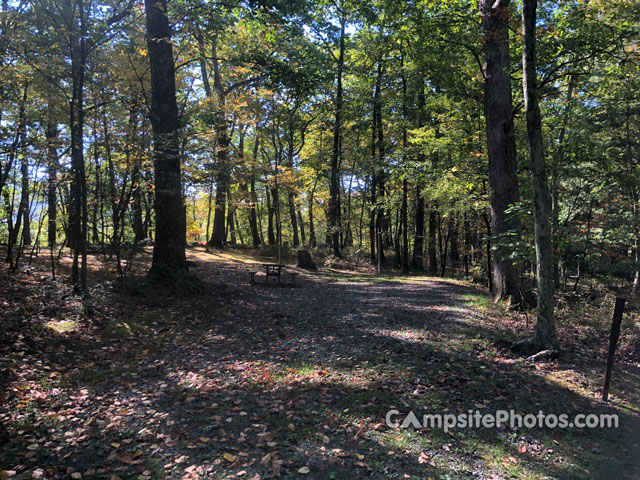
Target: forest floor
[221, 379]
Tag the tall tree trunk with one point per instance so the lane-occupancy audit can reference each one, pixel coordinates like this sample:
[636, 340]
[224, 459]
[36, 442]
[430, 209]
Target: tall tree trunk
[444, 244]
[312, 230]
[115, 199]
[98, 199]
[136, 179]
[405, 229]
[372, 219]
[231, 233]
[431, 244]
[218, 235]
[545, 334]
[24, 197]
[377, 153]
[52, 180]
[202, 59]
[348, 230]
[636, 240]
[558, 160]
[487, 224]
[271, 212]
[501, 144]
[334, 187]
[76, 18]
[209, 204]
[403, 209]
[23, 208]
[292, 216]
[169, 256]
[455, 252]
[303, 237]
[253, 224]
[291, 195]
[418, 242]
[238, 230]
[396, 238]
[466, 255]
[18, 145]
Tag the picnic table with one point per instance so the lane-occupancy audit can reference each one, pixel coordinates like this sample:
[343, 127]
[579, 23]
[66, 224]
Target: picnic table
[273, 270]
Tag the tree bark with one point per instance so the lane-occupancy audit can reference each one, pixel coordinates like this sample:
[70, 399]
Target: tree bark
[24, 197]
[169, 257]
[218, 235]
[636, 241]
[303, 237]
[253, 223]
[52, 180]
[271, 212]
[136, 178]
[312, 231]
[455, 252]
[466, 255]
[555, 186]
[501, 145]
[230, 231]
[17, 145]
[291, 195]
[405, 228]
[372, 218]
[293, 218]
[334, 187]
[405, 188]
[545, 334]
[431, 245]
[78, 190]
[209, 205]
[418, 242]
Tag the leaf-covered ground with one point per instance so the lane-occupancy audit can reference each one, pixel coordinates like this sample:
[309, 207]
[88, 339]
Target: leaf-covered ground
[220, 379]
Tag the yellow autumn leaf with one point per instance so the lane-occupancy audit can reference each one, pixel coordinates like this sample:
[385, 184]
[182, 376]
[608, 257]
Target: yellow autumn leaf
[115, 445]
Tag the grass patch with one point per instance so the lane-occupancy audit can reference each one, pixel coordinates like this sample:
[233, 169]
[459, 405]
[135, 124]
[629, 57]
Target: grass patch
[296, 368]
[479, 301]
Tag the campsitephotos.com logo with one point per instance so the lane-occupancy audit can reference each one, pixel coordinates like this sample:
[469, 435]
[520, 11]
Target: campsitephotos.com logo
[499, 419]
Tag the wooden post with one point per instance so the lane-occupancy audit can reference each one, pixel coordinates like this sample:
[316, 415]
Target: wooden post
[613, 340]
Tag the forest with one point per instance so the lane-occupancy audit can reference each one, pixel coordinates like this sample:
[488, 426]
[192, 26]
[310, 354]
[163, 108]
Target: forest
[464, 173]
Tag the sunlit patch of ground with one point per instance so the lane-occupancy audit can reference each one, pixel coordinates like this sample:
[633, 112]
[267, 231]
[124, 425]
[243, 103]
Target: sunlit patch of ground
[62, 326]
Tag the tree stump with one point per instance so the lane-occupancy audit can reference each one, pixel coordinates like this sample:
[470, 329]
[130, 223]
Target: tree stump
[305, 261]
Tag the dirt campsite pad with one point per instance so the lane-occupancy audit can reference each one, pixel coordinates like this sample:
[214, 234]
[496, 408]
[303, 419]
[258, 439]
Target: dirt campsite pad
[229, 380]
